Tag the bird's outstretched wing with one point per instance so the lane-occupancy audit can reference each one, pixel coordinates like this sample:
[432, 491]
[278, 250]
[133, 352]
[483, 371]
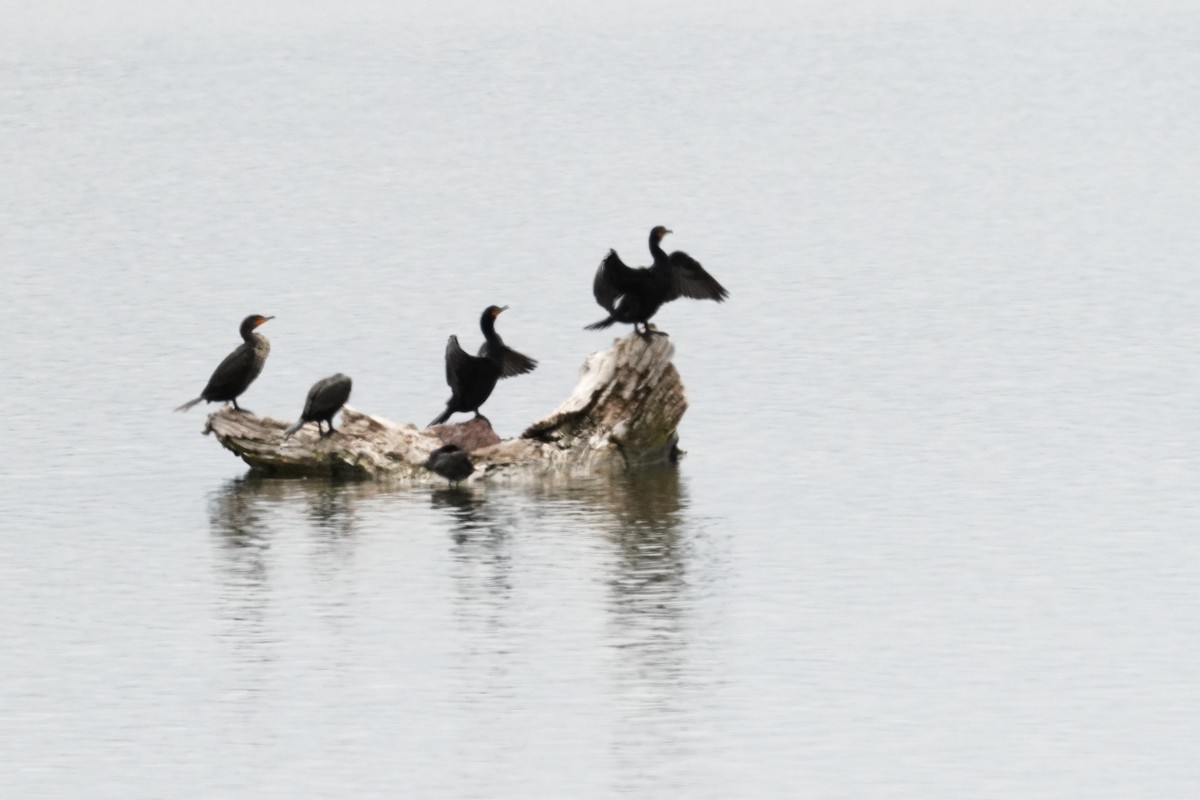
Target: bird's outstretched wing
[613, 279]
[456, 359]
[689, 279]
[514, 363]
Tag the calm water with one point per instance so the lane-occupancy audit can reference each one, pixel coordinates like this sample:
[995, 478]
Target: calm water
[936, 534]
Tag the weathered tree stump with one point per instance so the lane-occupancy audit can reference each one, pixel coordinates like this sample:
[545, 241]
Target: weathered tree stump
[623, 412]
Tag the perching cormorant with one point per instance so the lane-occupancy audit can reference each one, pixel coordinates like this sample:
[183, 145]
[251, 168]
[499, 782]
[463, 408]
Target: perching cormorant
[239, 369]
[472, 378]
[325, 398]
[634, 295]
[451, 462]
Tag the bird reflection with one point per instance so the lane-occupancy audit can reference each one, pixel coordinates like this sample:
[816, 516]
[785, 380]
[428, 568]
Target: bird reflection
[246, 516]
[482, 574]
[331, 509]
[239, 523]
[240, 509]
[481, 537]
[234, 515]
[466, 508]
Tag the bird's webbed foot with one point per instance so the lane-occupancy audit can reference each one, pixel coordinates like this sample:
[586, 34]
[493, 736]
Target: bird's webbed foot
[646, 333]
[239, 409]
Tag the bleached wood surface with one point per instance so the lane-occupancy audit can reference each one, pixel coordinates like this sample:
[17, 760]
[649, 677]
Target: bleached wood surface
[624, 411]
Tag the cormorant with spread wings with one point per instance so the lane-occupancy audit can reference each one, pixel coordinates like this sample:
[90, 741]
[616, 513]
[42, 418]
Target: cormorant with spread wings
[634, 295]
[472, 378]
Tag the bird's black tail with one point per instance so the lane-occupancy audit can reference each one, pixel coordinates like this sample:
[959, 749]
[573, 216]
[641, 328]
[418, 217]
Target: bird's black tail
[604, 323]
[189, 404]
[295, 427]
[440, 418]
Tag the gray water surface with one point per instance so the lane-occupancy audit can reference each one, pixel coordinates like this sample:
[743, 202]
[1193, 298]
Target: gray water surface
[934, 536]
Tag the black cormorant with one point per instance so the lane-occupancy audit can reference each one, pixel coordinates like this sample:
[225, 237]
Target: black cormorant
[451, 462]
[239, 369]
[472, 378]
[325, 398]
[634, 295]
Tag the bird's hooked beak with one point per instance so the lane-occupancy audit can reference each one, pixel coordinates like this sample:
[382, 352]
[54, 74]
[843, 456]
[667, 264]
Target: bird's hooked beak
[264, 319]
[496, 313]
[666, 231]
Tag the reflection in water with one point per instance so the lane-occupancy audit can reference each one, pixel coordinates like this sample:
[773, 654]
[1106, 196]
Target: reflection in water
[333, 523]
[484, 619]
[659, 677]
[482, 558]
[648, 606]
[245, 516]
[239, 509]
[467, 509]
[331, 507]
[233, 513]
[647, 583]
[242, 513]
[650, 566]
[238, 522]
[612, 552]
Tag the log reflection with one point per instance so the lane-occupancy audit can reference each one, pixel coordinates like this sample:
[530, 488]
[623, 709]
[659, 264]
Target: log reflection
[246, 517]
[648, 583]
[650, 615]
[597, 576]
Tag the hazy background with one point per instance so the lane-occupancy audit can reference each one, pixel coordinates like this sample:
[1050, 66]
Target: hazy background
[935, 534]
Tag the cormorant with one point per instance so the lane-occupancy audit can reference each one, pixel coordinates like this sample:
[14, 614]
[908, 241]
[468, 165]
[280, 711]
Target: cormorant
[239, 369]
[325, 398]
[451, 462]
[634, 295]
[472, 378]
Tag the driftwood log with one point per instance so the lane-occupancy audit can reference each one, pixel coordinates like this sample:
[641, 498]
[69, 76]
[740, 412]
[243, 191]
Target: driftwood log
[623, 412]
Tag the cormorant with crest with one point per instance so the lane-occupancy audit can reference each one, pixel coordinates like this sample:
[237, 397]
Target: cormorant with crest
[634, 295]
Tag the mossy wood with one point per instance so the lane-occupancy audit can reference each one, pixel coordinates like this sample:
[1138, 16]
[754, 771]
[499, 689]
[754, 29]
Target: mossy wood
[624, 411]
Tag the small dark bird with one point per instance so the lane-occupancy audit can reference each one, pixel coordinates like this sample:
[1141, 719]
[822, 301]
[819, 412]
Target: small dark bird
[635, 295]
[472, 378]
[325, 398]
[239, 369]
[451, 462]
